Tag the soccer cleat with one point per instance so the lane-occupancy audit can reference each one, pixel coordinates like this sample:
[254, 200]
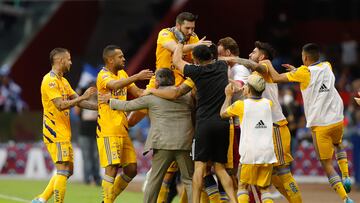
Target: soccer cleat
[348, 200]
[37, 200]
[347, 184]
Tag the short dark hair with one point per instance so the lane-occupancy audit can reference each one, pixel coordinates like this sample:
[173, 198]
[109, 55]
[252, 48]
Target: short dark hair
[266, 49]
[230, 44]
[312, 50]
[214, 51]
[186, 16]
[165, 77]
[202, 53]
[55, 52]
[109, 51]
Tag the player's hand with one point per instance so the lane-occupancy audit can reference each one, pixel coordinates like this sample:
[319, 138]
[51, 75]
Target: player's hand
[229, 90]
[90, 91]
[237, 87]
[204, 42]
[229, 59]
[144, 75]
[180, 37]
[357, 99]
[104, 98]
[289, 67]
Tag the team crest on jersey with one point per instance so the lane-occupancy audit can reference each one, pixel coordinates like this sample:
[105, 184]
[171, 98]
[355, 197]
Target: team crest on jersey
[165, 34]
[52, 84]
[260, 124]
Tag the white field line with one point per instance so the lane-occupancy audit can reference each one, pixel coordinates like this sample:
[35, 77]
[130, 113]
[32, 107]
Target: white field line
[17, 199]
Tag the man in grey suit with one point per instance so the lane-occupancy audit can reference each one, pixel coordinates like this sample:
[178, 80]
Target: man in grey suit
[170, 136]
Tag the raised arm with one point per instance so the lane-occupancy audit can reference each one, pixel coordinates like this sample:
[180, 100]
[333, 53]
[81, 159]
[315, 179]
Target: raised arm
[178, 62]
[121, 83]
[171, 45]
[229, 91]
[171, 92]
[74, 100]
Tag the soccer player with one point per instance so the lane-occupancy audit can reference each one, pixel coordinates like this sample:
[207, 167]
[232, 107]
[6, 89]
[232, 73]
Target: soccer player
[114, 145]
[57, 98]
[282, 178]
[166, 44]
[256, 142]
[323, 108]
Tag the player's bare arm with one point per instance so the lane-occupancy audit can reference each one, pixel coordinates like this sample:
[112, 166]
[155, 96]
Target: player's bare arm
[118, 84]
[247, 63]
[275, 76]
[135, 91]
[229, 91]
[171, 92]
[178, 62]
[171, 45]
[74, 100]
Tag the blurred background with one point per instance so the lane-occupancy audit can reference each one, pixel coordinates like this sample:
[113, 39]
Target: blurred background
[29, 30]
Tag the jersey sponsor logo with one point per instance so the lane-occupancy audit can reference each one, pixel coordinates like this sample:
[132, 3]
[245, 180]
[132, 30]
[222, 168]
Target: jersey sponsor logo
[52, 84]
[260, 124]
[323, 88]
[119, 92]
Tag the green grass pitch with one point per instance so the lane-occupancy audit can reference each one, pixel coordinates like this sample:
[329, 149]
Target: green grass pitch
[25, 190]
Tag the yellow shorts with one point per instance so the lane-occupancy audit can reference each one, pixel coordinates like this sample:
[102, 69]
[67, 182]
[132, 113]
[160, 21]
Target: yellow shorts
[256, 174]
[116, 151]
[60, 151]
[282, 139]
[324, 138]
[230, 155]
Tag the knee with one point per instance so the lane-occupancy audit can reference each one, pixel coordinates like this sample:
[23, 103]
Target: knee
[131, 170]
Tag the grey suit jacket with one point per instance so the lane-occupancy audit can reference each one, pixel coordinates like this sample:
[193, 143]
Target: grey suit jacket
[171, 125]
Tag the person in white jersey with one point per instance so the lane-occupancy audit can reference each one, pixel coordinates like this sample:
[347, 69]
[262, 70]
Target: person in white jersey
[257, 154]
[323, 108]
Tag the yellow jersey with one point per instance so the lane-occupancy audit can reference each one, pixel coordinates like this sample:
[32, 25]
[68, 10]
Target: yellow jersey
[237, 108]
[301, 75]
[56, 124]
[111, 122]
[164, 57]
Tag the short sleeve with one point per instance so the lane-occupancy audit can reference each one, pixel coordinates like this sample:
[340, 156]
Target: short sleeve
[165, 36]
[191, 71]
[236, 109]
[189, 82]
[105, 78]
[301, 75]
[52, 89]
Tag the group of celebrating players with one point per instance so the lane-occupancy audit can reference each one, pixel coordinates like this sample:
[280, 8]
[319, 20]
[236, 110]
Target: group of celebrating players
[239, 130]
